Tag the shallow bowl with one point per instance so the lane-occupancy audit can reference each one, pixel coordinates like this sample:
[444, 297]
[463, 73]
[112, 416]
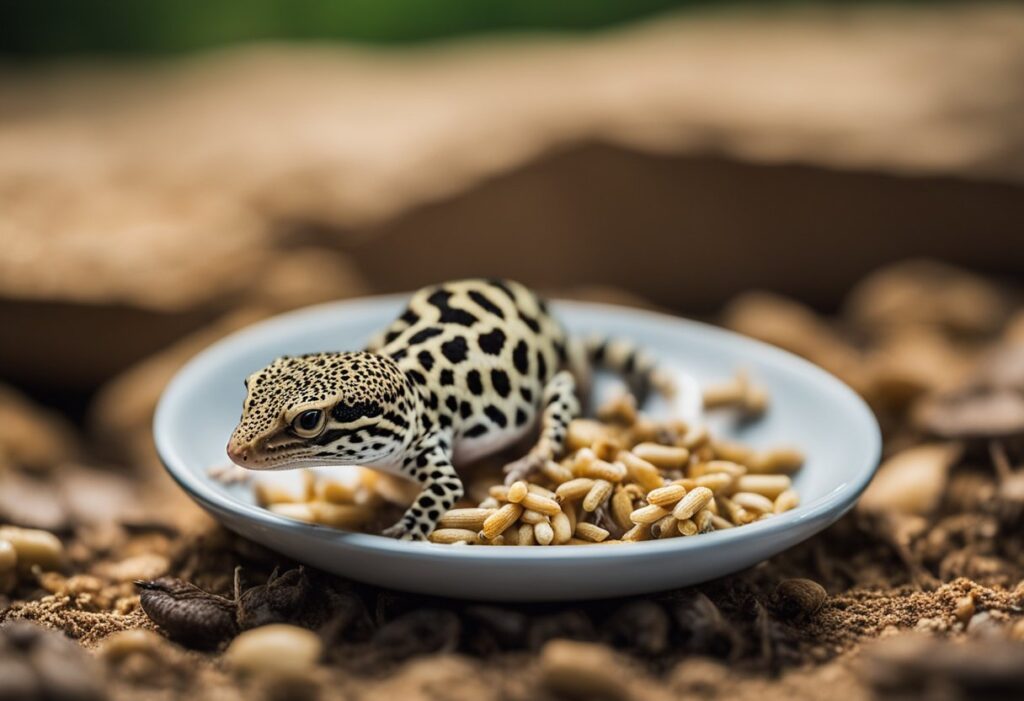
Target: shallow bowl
[809, 408]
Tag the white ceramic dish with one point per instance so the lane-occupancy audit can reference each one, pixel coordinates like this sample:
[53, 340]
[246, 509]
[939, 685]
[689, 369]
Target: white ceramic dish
[810, 409]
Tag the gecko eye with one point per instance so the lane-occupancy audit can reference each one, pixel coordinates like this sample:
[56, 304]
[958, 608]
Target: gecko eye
[309, 423]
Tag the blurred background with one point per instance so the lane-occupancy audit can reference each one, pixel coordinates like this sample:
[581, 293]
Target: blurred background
[167, 164]
[843, 179]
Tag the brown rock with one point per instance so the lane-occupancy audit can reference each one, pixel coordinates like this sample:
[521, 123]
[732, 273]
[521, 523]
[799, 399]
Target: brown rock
[920, 666]
[791, 325]
[31, 437]
[30, 501]
[277, 650]
[146, 566]
[926, 293]
[1002, 368]
[972, 413]
[584, 670]
[93, 496]
[38, 664]
[911, 481]
[912, 362]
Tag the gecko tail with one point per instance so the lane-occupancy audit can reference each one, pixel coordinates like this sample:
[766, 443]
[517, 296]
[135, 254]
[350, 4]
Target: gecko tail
[623, 357]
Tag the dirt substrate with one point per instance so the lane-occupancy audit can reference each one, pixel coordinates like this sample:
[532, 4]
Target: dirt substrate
[924, 581]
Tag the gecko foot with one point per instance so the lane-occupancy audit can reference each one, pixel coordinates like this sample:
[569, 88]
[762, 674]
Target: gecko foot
[523, 468]
[400, 531]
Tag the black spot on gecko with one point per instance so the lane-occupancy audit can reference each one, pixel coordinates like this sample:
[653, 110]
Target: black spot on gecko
[446, 378]
[450, 314]
[347, 413]
[492, 343]
[496, 415]
[392, 335]
[475, 430]
[542, 365]
[521, 417]
[498, 284]
[473, 382]
[530, 321]
[486, 304]
[521, 358]
[426, 359]
[526, 394]
[396, 419]
[452, 403]
[424, 335]
[416, 376]
[499, 381]
[455, 350]
[410, 317]
[465, 410]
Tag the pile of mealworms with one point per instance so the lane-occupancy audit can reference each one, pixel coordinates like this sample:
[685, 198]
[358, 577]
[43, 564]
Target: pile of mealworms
[624, 478]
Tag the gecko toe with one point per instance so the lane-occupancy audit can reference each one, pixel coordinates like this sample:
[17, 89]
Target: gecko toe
[523, 468]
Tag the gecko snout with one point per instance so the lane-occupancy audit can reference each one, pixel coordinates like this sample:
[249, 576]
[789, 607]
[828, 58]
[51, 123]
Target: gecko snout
[238, 453]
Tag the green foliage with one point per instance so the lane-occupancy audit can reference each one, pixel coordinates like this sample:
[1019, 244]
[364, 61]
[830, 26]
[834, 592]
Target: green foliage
[54, 27]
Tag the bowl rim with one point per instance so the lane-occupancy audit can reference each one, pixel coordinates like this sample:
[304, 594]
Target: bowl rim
[822, 510]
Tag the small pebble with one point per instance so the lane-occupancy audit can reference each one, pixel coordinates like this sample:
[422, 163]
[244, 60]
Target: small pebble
[277, 650]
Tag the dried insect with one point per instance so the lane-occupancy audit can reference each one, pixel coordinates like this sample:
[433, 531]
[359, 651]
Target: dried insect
[188, 614]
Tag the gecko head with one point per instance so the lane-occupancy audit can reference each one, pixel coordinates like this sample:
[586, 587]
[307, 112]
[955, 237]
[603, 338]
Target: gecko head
[323, 409]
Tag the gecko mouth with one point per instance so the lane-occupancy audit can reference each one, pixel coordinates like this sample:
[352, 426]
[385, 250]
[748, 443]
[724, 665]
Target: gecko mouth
[267, 456]
[268, 462]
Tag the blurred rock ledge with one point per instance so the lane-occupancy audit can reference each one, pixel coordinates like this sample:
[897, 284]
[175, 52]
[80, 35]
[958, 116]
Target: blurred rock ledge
[141, 202]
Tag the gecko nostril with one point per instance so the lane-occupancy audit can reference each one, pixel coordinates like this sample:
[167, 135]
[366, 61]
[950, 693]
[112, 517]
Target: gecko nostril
[237, 454]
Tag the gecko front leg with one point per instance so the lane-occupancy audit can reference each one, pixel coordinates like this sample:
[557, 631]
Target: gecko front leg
[560, 407]
[430, 463]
